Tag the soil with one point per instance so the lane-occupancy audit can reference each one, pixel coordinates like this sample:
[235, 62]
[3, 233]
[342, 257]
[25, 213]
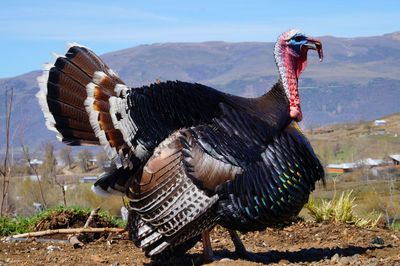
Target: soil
[69, 219]
[302, 243]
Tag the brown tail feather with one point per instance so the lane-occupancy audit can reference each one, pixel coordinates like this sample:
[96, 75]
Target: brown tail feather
[74, 94]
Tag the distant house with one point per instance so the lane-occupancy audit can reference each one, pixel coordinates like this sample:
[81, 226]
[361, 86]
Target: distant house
[35, 177]
[395, 159]
[380, 122]
[35, 162]
[92, 162]
[371, 162]
[107, 165]
[340, 168]
[88, 179]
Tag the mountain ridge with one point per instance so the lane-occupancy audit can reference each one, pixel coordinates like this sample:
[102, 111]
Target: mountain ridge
[358, 80]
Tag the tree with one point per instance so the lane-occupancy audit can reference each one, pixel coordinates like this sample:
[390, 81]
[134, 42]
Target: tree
[101, 158]
[84, 157]
[48, 168]
[66, 156]
[5, 169]
[27, 157]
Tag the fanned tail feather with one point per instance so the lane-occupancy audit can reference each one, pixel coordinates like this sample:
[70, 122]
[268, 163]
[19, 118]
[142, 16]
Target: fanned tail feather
[74, 97]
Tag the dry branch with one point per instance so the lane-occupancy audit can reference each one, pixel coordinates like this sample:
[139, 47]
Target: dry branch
[68, 231]
[93, 213]
[74, 239]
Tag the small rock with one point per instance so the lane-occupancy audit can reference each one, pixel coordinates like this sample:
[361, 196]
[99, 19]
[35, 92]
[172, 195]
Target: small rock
[394, 237]
[377, 241]
[53, 248]
[225, 260]
[283, 262]
[344, 260]
[111, 241]
[335, 258]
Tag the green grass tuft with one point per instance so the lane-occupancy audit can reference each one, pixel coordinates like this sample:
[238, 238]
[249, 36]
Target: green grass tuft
[338, 210]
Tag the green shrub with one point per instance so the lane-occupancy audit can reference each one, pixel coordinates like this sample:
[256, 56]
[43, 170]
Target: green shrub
[10, 226]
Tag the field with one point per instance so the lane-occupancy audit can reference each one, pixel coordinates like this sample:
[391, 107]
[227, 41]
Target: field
[302, 243]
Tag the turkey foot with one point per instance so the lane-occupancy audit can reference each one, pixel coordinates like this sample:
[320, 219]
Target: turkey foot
[240, 249]
[208, 254]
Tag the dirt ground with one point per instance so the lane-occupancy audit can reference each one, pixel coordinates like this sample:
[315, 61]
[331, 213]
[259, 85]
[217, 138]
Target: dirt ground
[303, 243]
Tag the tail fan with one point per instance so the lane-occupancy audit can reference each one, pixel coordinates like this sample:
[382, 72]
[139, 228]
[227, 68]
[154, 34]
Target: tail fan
[74, 97]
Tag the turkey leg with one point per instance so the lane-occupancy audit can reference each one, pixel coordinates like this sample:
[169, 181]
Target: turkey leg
[240, 249]
[208, 254]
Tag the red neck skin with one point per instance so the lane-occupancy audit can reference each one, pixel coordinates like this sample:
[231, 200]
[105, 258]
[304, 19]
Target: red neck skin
[294, 66]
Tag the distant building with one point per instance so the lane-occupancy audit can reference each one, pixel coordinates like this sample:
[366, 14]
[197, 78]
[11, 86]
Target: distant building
[340, 168]
[35, 177]
[395, 159]
[380, 122]
[88, 179]
[92, 162]
[371, 162]
[107, 165]
[35, 162]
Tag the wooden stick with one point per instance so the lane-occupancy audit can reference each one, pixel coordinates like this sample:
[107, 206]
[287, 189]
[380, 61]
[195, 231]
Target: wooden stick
[74, 241]
[93, 213]
[68, 231]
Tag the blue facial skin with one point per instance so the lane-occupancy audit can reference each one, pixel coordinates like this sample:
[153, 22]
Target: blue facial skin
[297, 41]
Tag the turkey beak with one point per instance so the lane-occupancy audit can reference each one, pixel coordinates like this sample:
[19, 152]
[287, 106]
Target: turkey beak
[314, 44]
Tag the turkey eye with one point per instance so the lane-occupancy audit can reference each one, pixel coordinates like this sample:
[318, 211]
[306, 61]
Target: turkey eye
[298, 38]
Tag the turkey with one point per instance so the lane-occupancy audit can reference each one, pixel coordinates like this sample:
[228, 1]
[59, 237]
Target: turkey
[189, 157]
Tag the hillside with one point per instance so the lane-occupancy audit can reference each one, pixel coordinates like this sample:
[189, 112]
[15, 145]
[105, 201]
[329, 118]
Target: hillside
[353, 141]
[359, 79]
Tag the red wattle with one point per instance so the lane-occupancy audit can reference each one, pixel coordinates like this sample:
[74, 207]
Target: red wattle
[295, 113]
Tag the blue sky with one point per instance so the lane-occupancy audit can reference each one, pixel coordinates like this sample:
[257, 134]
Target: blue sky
[30, 30]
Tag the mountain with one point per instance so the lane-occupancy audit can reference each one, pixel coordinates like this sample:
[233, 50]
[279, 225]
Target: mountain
[358, 80]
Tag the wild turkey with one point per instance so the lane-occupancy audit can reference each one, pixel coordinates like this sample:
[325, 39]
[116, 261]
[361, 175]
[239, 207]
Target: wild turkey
[189, 156]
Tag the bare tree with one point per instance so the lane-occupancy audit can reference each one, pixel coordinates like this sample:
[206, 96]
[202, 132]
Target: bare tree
[101, 158]
[27, 157]
[49, 170]
[5, 170]
[84, 157]
[66, 156]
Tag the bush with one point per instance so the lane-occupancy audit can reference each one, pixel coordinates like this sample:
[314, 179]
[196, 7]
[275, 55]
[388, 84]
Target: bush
[338, 210]
[10, 226]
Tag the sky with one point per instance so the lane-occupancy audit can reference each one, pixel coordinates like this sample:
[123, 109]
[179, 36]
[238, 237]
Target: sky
[31, 30]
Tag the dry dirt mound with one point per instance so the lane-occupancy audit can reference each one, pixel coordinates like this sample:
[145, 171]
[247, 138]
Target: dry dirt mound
[72, 219]
[69, 219]
[302, 243]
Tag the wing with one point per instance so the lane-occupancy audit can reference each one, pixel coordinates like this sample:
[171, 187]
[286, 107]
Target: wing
[173, 197]
[148, 115]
